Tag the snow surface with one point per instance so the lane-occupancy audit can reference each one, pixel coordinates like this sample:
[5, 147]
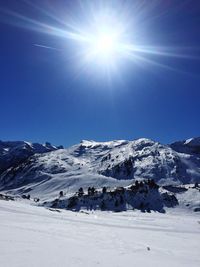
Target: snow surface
[34, 236]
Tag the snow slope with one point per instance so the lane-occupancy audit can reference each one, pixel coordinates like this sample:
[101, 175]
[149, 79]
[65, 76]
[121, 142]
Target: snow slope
[33, 236]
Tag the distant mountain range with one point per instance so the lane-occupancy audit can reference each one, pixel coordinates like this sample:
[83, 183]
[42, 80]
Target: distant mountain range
[46, 169]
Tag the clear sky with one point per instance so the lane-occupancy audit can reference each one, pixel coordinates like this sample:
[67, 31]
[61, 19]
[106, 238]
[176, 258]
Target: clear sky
[49, 93]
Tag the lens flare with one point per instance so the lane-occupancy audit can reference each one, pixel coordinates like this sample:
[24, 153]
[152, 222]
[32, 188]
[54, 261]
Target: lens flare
[102, 34]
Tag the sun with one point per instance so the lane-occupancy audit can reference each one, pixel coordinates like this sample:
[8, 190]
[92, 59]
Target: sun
[101, 36]
[105, 44]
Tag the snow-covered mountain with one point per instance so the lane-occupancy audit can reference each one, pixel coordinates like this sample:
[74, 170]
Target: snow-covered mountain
[14, 153]
[45, 169]
[189, 146]
[112, 238]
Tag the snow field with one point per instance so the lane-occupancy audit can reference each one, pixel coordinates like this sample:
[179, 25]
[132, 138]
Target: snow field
[35, 236]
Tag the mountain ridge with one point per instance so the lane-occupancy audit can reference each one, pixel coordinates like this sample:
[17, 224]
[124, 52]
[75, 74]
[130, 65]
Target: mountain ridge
[48, 169]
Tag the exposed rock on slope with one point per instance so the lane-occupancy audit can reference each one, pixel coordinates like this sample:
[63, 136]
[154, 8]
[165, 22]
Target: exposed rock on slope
[145, 196]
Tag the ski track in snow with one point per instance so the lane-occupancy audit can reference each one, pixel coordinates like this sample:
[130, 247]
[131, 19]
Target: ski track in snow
[35, 236]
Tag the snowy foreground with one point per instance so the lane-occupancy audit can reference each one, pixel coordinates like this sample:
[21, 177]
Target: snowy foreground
[35, 236]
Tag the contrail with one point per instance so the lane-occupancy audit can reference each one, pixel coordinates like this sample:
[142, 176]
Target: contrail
[47, 47]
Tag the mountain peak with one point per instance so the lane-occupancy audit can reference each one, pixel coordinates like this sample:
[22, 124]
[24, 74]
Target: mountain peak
[195, 141]
[189, 146]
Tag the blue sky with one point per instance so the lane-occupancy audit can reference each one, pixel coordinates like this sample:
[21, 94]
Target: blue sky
[45, 97]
